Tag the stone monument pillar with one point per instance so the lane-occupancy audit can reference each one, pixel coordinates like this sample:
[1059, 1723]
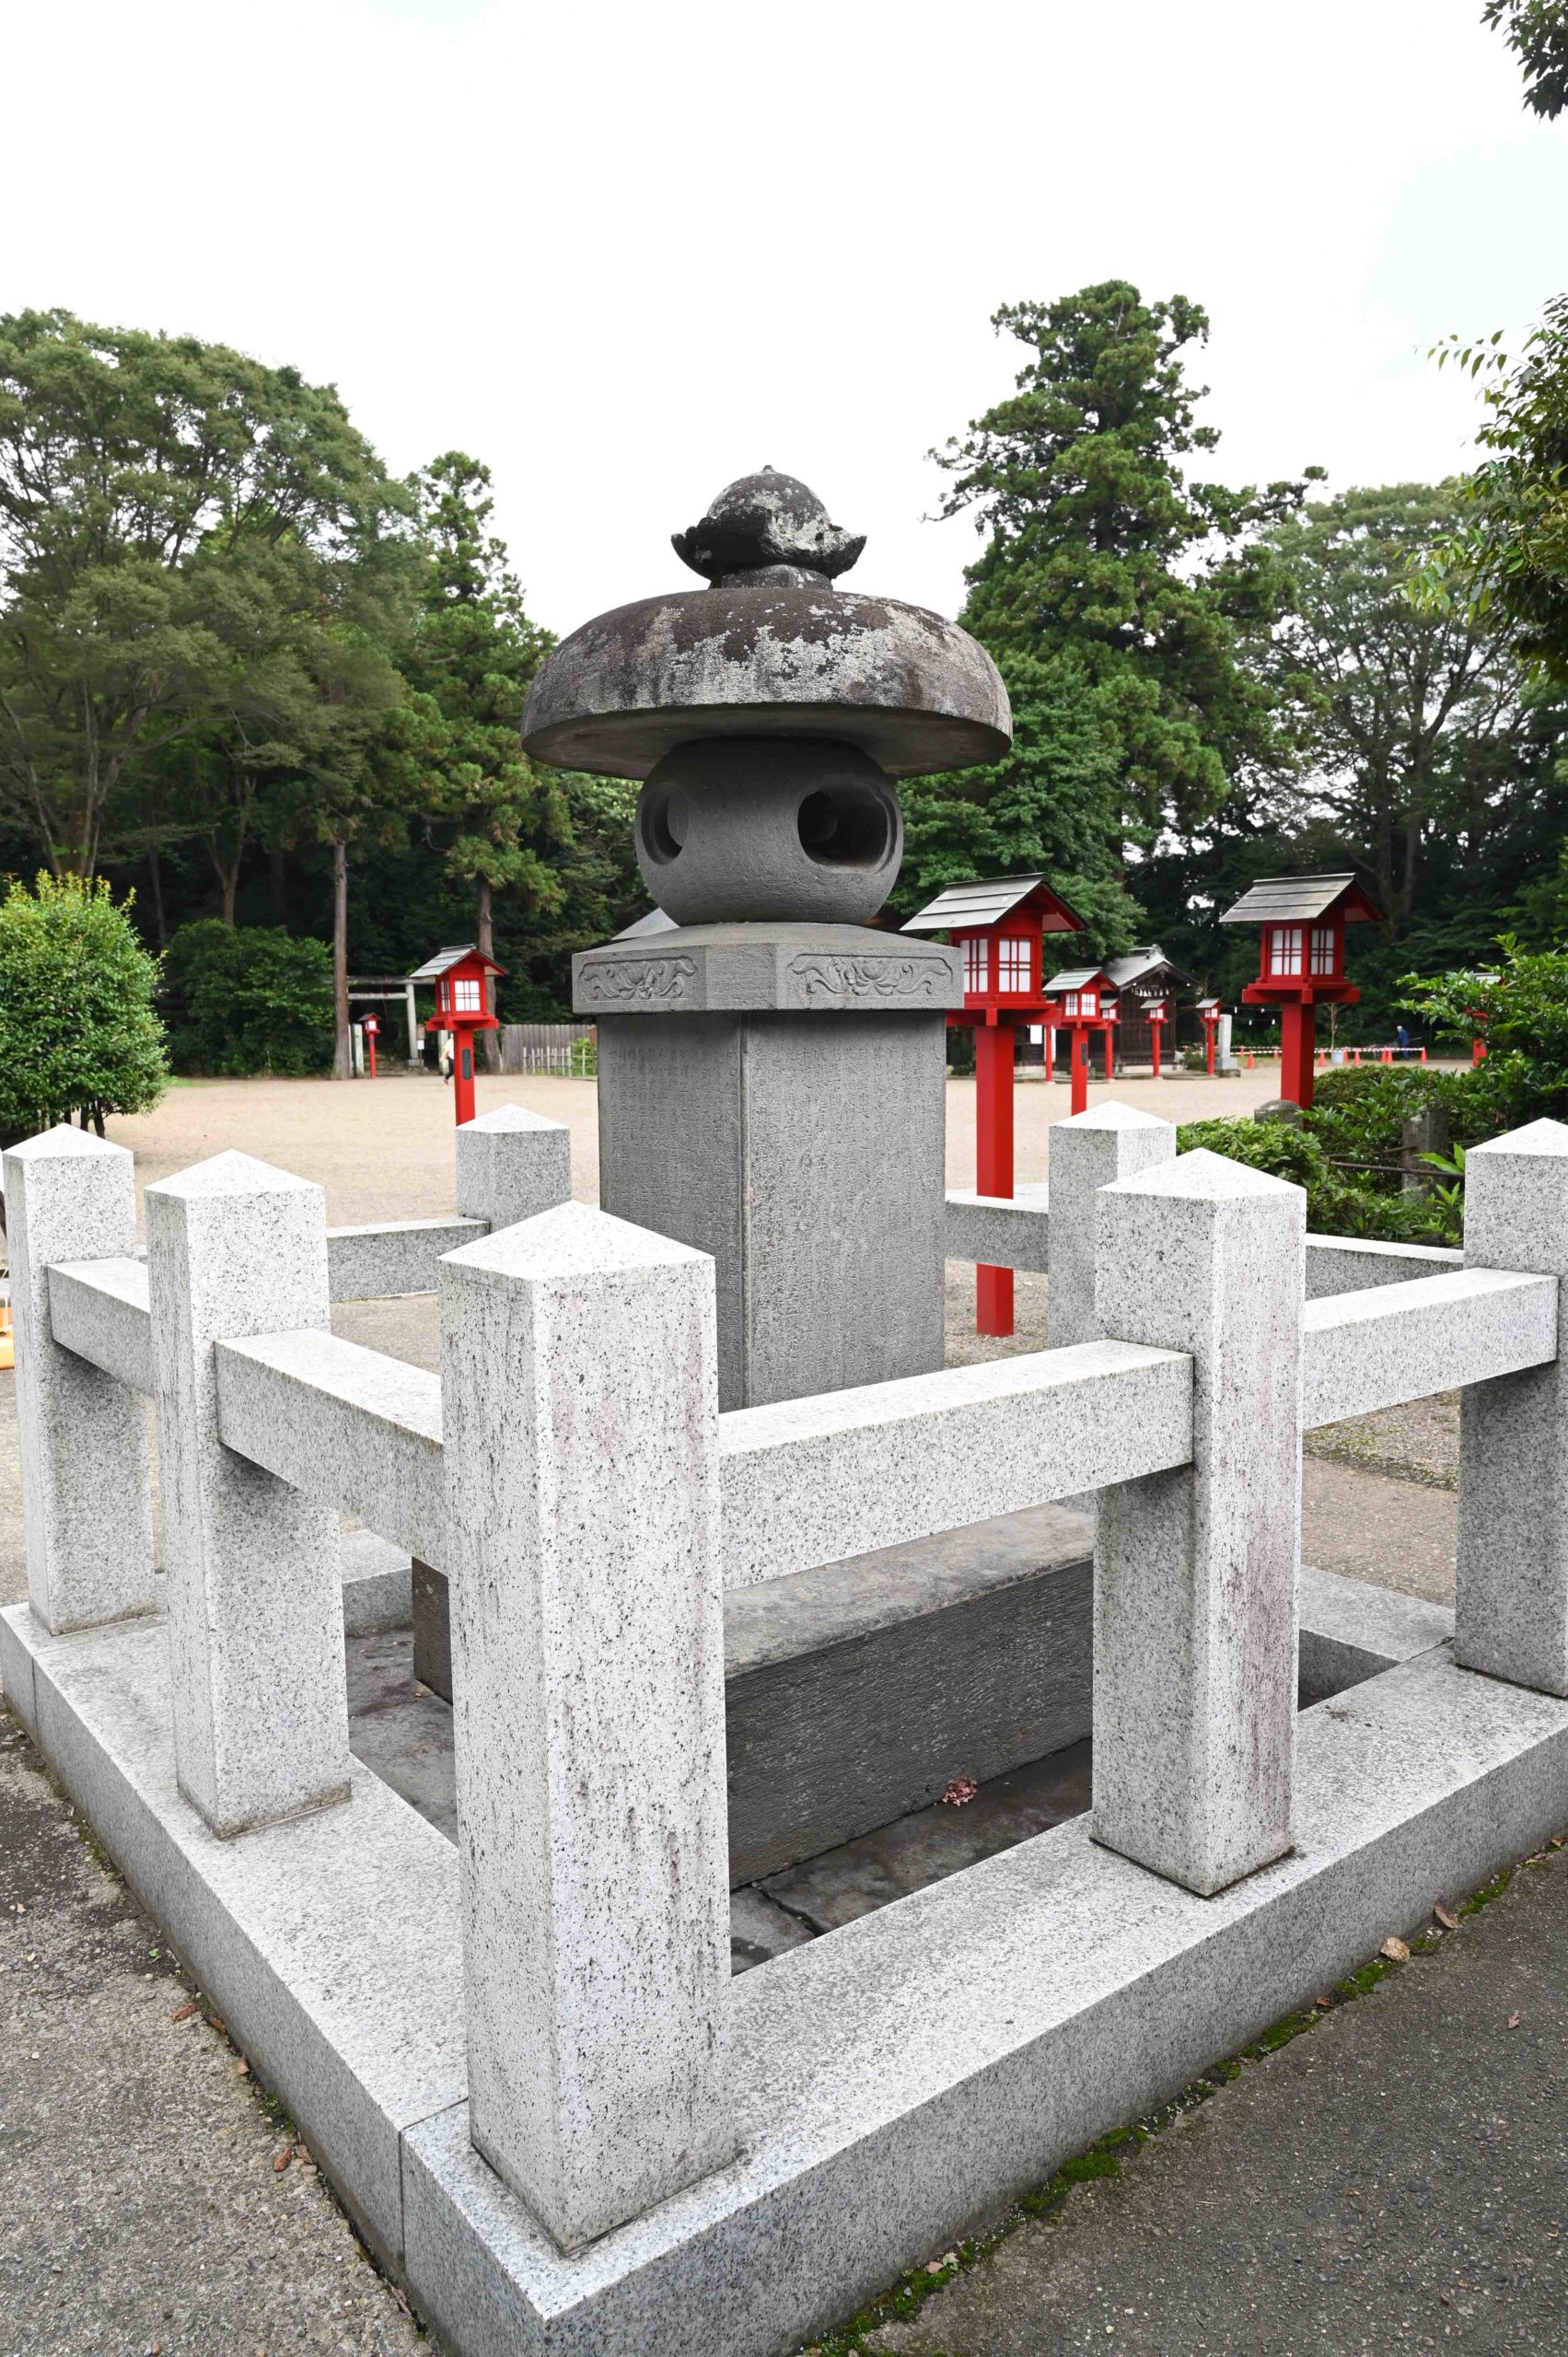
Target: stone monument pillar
[770, 1069]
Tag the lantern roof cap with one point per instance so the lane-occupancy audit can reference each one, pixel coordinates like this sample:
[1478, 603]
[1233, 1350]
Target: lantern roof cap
[1076, 978]
[986, 900]
[456, 954]
[1145, 966]
[771, 647]
[1283, 899]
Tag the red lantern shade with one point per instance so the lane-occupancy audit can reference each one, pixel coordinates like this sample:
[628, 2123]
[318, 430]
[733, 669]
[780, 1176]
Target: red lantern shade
[1302, 958]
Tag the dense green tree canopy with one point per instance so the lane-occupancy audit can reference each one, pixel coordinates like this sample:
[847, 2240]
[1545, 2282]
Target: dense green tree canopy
[1506, 556]
[1537, 32]
[1099, 547]
[1053, 805]
[179, 527]
[471, 656]
[1422, 734]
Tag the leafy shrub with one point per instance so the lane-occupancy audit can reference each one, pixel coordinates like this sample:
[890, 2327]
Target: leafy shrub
[78, 1032]
[246, 999]
[1334, 1206]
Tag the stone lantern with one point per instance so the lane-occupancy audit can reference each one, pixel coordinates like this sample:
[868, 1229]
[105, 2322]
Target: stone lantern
[771, 1070]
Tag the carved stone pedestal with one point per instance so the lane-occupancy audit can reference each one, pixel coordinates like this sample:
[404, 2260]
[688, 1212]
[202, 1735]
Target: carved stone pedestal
[773, 1094]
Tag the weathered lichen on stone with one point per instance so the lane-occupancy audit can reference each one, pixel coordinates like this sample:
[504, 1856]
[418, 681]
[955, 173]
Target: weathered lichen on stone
[769, 526]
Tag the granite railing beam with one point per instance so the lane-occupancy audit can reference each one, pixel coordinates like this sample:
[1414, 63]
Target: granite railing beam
[1015, 1233]
[99, 1309]
[1362, 1351]
[1511, 1600]
[1195, 1571]
[255, 1587]
[86, 1488]
[808, 1482]
[1005, 1231]
[1354, 1263]
[349, 1427]
[398, 1257]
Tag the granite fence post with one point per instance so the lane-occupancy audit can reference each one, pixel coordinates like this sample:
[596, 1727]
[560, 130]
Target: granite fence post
[1195, 1571]
[512, 1164]
[1089, 1151]
[235, 1248]
[86, 1489]
[1511, 1615]
[579, 1403]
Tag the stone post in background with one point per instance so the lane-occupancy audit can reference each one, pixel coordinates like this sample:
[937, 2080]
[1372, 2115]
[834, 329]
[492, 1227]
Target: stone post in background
[771, 1068]
[1088, 1151]
[86, 1487]
[1511, 1605]
[511, 1164]
[1195, 1571]
[235, 1248]
[580, 1419]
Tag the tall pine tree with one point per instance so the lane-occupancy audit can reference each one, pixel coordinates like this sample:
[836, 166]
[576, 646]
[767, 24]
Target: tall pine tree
[503, 821]
[1099, 550]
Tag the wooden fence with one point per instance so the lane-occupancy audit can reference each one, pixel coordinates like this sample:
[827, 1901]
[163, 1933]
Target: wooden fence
[564, 1048]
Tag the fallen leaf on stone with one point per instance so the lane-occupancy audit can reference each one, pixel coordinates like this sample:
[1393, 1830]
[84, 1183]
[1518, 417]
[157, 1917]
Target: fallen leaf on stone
[1395, 1950]
[1322, 2003]
[215, 2021]
[959, 1790]
[1448, 1922]
[281, 2159]
[1556, 1841]
[242, 2069]
[1514, 2021]
[183, 2013]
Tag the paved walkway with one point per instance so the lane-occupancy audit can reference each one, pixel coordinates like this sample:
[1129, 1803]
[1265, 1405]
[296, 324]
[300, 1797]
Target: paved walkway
[1396, 2178]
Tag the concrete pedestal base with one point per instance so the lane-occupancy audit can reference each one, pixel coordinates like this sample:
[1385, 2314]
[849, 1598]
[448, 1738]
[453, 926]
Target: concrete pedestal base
[775, 1094]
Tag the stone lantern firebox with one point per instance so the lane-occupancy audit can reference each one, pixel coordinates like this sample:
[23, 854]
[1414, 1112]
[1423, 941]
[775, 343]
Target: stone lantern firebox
[770, 1071]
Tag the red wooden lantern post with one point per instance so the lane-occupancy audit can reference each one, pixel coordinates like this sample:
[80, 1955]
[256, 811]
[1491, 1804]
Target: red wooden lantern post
[1083, 1000]
[462, 980]
[372, 1026]
[1478, 1017]
[1303, 959]
[1210, 1010]
[998, 924]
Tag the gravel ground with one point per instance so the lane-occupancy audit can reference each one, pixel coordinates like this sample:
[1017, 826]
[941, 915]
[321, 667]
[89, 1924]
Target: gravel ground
[140, 2206]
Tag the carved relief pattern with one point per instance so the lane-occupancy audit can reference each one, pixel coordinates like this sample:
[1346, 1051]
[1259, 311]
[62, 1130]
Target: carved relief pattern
[829, 977]
[629, 982]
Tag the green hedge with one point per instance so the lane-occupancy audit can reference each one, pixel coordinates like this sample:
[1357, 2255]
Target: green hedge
[1335, 1204]
[246, 999]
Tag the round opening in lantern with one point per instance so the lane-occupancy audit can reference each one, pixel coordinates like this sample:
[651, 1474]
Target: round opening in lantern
[845, 826]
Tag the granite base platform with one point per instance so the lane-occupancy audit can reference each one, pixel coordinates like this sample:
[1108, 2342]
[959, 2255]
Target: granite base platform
[898, 2081]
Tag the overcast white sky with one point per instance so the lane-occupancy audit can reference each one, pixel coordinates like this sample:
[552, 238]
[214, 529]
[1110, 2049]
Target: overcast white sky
[626, 253]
